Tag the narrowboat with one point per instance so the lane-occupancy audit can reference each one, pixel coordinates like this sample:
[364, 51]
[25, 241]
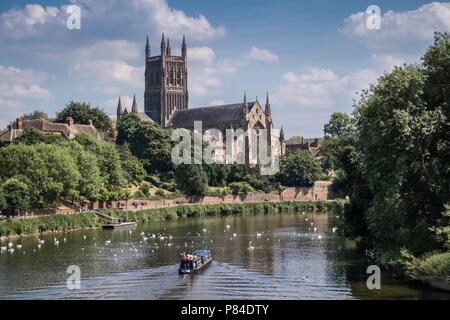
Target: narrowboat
[201, 259]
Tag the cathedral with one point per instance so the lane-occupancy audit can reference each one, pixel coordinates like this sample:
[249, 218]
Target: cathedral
[166, 102]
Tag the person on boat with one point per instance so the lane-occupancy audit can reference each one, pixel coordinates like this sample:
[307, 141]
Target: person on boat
[185, 259]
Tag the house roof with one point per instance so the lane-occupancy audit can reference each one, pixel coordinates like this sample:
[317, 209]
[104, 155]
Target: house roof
[43, 125]
[208, 115]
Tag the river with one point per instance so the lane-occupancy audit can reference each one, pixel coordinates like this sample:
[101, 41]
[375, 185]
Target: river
[296, 256]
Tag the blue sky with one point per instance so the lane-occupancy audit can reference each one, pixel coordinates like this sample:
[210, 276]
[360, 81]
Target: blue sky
[311, 56]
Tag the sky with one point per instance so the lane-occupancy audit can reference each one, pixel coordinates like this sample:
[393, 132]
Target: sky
[312, 57]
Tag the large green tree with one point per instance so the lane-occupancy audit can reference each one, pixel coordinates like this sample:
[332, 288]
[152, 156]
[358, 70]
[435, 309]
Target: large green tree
[149, 143]
[402, 147]
[299, 169]
[82, 113]
[191, 179]
[16, 195]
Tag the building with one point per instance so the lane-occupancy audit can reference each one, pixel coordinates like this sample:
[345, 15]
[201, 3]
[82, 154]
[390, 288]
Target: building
[67, 130]
[166, 101]
[312, 145]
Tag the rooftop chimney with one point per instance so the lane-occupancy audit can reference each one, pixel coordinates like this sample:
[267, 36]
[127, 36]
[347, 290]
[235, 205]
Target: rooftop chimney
[69, 121]
[90, 122]
[19, 123]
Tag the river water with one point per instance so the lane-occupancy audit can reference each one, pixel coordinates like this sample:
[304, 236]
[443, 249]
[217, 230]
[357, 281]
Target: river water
[289, 257]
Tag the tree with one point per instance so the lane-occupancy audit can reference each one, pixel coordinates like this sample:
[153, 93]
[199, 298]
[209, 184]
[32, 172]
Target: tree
[16, 195]
[152, 146]
[32, 136]
[35, 115]
[134, 170]
[401, 143]
[191, 179]
[340, 125]
[108, 160]
[126, 127]
[240, 188]
[217, 174]
[299, 169]
[296, 138]
[82, 113]
[3, 204]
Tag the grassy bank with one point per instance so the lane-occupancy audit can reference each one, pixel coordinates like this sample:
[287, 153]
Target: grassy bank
[198, 210]
[57, 222]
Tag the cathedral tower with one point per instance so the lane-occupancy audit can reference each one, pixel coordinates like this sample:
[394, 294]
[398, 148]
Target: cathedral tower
[165, 83]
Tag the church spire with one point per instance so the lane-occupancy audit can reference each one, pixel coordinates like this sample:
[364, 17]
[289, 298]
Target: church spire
[245, 104]
[267, 111]
[163, 45]
[134, 108]
[147, 49]
[183, 47]
[119, 109]
[168, 47]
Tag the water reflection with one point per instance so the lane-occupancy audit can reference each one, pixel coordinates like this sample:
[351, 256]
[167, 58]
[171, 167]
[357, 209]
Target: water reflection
[263, 257]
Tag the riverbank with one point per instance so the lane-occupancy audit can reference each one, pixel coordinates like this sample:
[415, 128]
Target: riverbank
[432, 269]
[17, 227]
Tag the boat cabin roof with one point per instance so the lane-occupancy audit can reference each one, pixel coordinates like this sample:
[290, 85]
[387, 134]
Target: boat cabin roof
[200, 253]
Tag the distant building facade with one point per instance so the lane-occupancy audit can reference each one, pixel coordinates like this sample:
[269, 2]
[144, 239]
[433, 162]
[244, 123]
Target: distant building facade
[312, 145]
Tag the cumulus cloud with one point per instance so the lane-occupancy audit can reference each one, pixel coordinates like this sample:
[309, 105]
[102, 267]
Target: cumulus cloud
[22, 83]
[20, 90]
[205, 70]
[400, 31]
[261, 55]
[108, 19]
[107, 72]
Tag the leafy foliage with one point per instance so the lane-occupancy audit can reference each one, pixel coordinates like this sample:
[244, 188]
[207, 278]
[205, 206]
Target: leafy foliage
[299, 169]
[395, 161]
[82, 113]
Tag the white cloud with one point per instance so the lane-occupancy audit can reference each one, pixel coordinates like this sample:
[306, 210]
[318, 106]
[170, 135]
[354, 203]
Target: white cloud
[29, 22]
[205, 71]
[386, 62]
[111, 19]
[20, 91]
[110, 72]
[22, 83]
[110, 49]
[316, 88]
[400, 31]
[261, 55]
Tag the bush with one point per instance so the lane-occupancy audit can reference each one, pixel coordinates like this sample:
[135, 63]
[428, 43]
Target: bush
[240, 188]
[139, 195]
